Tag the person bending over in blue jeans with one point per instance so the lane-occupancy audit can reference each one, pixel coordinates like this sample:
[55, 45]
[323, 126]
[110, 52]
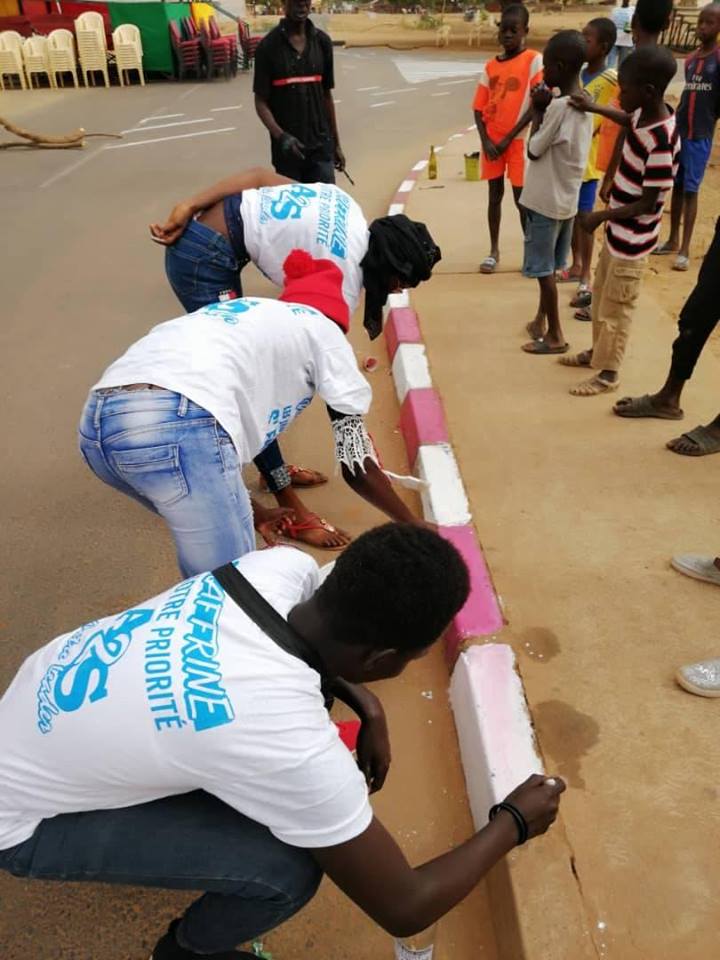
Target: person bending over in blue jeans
[179, 745]
[260, 216]
[175, 419]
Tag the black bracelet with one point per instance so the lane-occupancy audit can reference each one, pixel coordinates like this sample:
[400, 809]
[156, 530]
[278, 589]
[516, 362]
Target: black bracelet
[520, 821]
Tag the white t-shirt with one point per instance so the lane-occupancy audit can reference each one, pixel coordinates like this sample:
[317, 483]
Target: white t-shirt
[622, 18]
[253, 364]
[561, 145]
[182, 692]
[319, 218]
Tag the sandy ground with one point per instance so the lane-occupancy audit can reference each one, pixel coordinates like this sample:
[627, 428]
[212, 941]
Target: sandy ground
[579, 513]
[80, 281]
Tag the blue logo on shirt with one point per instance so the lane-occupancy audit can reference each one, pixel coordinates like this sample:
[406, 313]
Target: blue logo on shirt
[289, 203]
[230, 310]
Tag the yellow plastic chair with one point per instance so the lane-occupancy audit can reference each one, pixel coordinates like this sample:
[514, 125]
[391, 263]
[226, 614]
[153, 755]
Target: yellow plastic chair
[11, 58]
[127, 46]
[37, 60]
[61, 50]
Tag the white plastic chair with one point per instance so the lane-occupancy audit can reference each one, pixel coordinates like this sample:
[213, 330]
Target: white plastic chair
[61, 50]
[127, 47]
[37, 60]
[11, 58]
[92, 48]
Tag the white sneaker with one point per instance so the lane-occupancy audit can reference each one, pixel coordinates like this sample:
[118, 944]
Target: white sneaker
[702, 678]
[698, 567]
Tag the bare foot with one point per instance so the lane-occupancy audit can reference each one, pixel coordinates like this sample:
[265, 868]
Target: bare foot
[536, 329]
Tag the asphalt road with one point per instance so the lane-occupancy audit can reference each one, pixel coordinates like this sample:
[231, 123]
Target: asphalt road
[79, 281]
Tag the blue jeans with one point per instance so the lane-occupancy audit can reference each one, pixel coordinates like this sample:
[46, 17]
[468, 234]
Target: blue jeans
[194, 841]
[201, 266]
[174, 458]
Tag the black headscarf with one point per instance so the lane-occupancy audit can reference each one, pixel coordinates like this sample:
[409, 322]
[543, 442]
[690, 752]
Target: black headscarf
[401, 250]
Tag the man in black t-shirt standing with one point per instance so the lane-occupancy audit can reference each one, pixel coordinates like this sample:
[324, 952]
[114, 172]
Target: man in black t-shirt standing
[294, 79]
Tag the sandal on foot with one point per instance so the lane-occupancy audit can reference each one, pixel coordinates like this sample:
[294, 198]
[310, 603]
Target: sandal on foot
[539, 348]
[664, 250]
[583, 314]
[583, 297]
[292, 530]
[702, 678]
[296, 480]
[593, 387]
[696, 566]
[682, 263]
[564, 276]
[581, 359]
[489, 264]
[639, 407]
[704, 441]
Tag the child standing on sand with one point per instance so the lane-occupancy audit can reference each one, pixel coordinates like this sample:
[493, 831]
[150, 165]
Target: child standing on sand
[557, 150]
[696, 118]
[501, 114]
[642, 182]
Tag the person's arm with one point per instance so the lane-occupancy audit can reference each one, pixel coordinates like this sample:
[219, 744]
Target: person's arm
[369, 482]
[373, 871]
[638, 208]
[252, 179]
[613, 165]
[262, 87]
[545, 123]
[482, 95]
[373, 746]
[328, 82]
[584, 103]
[332, 117]
[524, 120]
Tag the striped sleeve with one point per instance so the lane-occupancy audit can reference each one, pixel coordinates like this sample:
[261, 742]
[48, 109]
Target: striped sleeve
[536, 70]
[482, 94]
[659, 166]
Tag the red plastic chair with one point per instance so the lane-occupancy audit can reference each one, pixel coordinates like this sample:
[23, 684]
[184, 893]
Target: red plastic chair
[227, 39]
[187, 52]
[248, 44]
[216, 53]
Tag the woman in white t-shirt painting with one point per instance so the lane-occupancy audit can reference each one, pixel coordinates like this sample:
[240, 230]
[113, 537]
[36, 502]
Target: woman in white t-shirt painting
[175, 419]
[260, 216]
[178, 745]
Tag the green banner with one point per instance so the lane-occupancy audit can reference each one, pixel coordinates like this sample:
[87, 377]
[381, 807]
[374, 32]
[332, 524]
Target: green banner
[152, 20]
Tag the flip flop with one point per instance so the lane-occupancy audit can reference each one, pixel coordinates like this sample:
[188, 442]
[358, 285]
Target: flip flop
[702, 678]
[489, 265]
[682, 263]
[541, 349]
[564, 276]
[583, 314]
[705, 443]
[593, 387]
[697, 567]
[664, 250]
[291, 529]
[639, 407]
[295, 480]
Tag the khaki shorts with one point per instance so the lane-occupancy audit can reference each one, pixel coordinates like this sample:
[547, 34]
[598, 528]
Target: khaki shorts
[616, 289]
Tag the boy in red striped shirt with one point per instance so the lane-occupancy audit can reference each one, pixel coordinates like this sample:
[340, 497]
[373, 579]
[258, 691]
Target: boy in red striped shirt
[642, 181]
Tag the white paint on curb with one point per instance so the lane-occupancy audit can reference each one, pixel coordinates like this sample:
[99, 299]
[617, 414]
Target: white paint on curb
[420, 165]
[444, 499]
[397, 301]
[406, 186]
[395, 208]
[410, 369]
[497, 745]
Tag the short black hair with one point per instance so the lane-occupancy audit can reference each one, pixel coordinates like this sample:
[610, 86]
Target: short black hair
[395, 587]
[605, 29]
[568, 46]
[653, 16]
[653, 65]
[516, 10]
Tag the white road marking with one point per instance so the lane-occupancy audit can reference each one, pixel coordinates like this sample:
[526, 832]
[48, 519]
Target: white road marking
[365, 89]
[237, 106]
[165, 126]
[383, 103]
[451, 83]
[73, 166]
[161, 116]
[417, 70]
[445, 93]
[188, 92]
[385, 93]
[337, 101]
[178, 136]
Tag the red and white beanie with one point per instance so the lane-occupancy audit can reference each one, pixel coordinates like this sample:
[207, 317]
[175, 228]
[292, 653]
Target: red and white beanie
[316, 283]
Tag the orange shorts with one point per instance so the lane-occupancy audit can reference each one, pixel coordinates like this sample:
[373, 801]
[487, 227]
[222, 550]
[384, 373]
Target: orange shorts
[513, 160]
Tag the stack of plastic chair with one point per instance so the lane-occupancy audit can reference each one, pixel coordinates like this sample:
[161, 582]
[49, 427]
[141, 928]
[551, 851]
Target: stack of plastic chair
[92, 47]
[127, 46]
[37, 60]
[248, 44]
[228, 39]
[187, 52]
[61, 49]
[11, 59]
[218, 57]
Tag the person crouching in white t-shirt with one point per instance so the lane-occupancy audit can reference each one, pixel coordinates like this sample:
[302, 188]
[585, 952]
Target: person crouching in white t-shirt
[178, 745]
[259, 216]
[174, 420]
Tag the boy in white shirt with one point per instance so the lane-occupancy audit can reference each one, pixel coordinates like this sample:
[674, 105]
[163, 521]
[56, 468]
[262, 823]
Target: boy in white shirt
[173, 421]
[179, 745]
[558, 149]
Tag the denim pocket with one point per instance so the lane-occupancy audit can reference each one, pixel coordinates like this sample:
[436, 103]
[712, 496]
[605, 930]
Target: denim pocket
[153, 472]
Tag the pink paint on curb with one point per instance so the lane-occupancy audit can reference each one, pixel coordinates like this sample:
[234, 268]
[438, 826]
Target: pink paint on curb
[401, 326]
[481, 615]
[422, 420]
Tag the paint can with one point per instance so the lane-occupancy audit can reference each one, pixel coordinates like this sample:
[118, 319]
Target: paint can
[472, 166]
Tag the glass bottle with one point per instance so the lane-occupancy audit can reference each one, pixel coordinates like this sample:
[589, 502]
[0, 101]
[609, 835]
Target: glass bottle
[432, 165]
[418, 947]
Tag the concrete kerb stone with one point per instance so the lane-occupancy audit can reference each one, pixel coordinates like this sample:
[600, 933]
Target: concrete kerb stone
[497, 744]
